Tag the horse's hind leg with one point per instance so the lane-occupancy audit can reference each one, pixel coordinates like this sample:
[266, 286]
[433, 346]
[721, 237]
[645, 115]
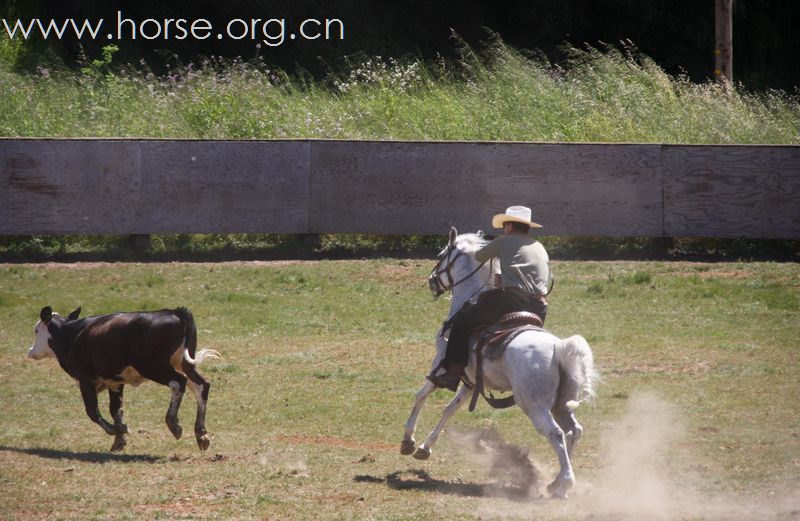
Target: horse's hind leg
[200, 388]
[424, 450]
[409, 443]
[569, 424]
[546, 424]
[564, 416]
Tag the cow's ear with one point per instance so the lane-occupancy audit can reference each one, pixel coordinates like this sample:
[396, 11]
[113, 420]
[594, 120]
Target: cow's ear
[453, 235]
[46, 314]
[74, 314]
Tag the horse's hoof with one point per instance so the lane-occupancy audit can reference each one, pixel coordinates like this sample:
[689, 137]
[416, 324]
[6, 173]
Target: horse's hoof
[119, 443]
[422, 453]
[407, 447]
[175, 429]
[203, 442]
[557, 490]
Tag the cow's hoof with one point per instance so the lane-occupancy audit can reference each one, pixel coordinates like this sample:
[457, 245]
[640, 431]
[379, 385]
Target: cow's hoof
[407, 447]
[203, 442]
[422, 453]
[176, 430]
[119, 443]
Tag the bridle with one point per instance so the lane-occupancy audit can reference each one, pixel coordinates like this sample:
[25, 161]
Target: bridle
[436, 280]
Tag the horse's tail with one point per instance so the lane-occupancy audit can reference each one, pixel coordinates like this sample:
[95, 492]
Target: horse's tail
[575, 359]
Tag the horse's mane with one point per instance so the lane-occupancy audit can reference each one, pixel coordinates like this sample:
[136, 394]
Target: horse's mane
[470, 242]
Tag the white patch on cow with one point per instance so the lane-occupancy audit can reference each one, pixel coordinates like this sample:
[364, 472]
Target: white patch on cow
[129, 375]
[132, 376]
[176, 360]
[197, 389]
[41, 343]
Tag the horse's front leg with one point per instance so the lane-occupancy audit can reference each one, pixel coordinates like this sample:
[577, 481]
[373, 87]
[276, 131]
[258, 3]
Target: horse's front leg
[409, 443]
[424, 450]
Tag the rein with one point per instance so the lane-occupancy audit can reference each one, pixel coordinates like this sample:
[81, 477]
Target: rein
[438, 286]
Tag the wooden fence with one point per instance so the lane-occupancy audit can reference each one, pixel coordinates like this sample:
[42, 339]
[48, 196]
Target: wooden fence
[123, 186]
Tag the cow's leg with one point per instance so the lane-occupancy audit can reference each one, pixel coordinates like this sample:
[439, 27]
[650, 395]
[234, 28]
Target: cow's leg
[176, 381]
[120, 429]
[200, 387]
[89, 394]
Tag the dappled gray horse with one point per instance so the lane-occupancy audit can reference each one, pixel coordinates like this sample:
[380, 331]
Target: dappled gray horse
[548, 376]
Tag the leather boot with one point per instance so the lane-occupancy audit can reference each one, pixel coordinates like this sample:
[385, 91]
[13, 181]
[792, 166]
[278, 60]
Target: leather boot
[450, 379]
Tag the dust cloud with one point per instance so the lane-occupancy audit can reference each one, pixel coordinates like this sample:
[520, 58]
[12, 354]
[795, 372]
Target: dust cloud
[636, 478]
[515, 474]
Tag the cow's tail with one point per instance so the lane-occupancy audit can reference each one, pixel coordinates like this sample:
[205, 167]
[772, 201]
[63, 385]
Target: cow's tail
[190, 340]
[577, 363]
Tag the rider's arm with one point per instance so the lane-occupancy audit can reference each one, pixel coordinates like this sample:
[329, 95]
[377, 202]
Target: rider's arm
[490, 250]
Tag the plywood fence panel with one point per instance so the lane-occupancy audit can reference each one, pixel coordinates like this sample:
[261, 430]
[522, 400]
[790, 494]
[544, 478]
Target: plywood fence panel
[107, 186]
[408, 188]
[65, 186]
[732, 191]
[225, 187]
[141, 187]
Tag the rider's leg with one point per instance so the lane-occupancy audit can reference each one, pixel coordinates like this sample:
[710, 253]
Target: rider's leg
[485, 311]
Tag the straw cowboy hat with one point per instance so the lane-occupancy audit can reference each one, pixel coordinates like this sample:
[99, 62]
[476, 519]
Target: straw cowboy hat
[518, 214]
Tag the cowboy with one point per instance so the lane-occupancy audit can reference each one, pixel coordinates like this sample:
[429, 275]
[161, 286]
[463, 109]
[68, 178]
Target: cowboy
[525, 273]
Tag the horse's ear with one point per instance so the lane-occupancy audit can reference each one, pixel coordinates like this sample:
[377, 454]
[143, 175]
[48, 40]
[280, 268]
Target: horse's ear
[46, 314]
[74, 315]
[453, 235]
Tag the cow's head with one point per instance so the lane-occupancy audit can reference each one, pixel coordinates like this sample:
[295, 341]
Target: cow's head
[48, 324]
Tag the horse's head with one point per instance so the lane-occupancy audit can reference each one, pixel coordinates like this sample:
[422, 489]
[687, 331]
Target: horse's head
[457, 262]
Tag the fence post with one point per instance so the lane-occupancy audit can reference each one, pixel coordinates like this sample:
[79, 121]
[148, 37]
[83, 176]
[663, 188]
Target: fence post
[139, 242]
[723, 33]
[310, 240]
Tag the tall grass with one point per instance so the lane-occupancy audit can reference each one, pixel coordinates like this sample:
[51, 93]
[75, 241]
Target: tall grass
[498, 93]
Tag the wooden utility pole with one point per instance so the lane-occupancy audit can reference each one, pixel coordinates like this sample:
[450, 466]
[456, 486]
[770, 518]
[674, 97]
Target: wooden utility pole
[723, 52]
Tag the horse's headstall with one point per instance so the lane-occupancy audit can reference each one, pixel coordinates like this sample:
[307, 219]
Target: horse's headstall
[436, 286]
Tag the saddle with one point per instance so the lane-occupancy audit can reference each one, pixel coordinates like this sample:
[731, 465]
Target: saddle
[492, 342]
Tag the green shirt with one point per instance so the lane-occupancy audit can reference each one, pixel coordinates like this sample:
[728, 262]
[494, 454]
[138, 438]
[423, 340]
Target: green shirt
[523, 261]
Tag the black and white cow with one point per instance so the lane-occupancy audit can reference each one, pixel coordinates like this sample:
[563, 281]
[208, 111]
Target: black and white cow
[109, 351]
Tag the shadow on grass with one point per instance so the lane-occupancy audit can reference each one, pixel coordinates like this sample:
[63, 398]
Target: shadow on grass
[90, 457]
[421, 480]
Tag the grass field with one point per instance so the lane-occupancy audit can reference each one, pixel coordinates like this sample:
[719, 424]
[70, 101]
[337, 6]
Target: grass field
[697, 417]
